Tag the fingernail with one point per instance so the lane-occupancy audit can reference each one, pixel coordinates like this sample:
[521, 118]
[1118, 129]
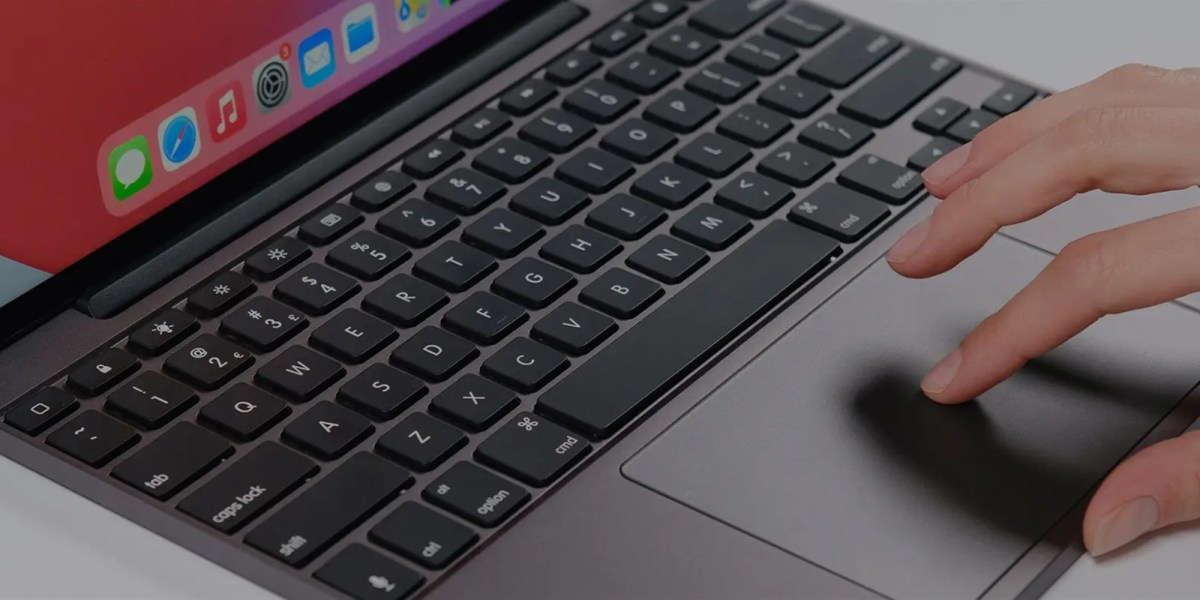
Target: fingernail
[943, 373]
[1125, 524]
[947, 165]
[908, 243]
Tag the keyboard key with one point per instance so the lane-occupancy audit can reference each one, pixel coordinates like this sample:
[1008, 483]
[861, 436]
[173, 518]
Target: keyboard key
[380, 190]
[573, 329]
[711, 226]
[423, 536]
[368, 575]
[404, 300]
[642, 74]
[969, 125]
[502, 232]
[549, 201]
[432, 158]
[761, 55]
[367, 255]
[713, 155]
[467, 192]
[616, 39]
[208, 362]
[931, 153]
[484, 318]
[162, 332]
[417, 223]
[474, 402]
[299, 374]
[275, 258]
[510, 160]
[669, 185]
[890, 94]
[836, 135]
[248, 488]
[881, 179]
[533, 283]
[93, 438]
[328, 510]
[666, 345]
[557, 130]
[434, 354]
[1009, 99]
[244, 412]
[329, 224]
[98, 373]
[38, 411]
[656, 13]
[626, 217]
[795, 97]
[220, 294]
[263, 324]
[525, 365]
[316, 289]
[683, 46]
[845, 214]
[172, 461]
[381, 392]
[638, 140]
[729, 18]
[795, 165]
[150, 400]
[754, 195]
[421, 442]
[667, 259]
[722, 82]
[600, 101]
[621, 293]
[353, 336]
[754, 125]
[804, 26]
[842, 62]
[595, 170]
[580, 249]
[681, 111]
[527, 97]
[532, 449]
[454, 266]
[475, 494]
[327, 430]
[479, 128]
[935, 119]
[572, 67]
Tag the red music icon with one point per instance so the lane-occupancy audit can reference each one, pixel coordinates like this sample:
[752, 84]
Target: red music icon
[226, 110]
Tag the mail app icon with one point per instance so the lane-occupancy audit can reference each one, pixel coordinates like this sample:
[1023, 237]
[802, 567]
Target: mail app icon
[316, 58]
[360, 33]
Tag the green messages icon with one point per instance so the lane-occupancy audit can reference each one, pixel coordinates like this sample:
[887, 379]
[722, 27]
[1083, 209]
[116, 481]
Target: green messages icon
[129, 167]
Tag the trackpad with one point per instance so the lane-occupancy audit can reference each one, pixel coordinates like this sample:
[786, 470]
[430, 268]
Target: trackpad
[823, 446]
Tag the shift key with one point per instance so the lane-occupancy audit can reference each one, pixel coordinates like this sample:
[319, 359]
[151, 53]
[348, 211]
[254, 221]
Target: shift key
[249, 487]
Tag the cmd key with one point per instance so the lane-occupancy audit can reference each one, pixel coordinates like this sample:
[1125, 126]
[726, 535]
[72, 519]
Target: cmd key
[884, 98]
[532, 449]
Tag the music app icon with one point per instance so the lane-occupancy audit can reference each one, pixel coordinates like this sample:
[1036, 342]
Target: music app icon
[226, 109]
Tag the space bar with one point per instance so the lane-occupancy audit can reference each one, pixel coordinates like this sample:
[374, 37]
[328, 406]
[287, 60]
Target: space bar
[638, 367]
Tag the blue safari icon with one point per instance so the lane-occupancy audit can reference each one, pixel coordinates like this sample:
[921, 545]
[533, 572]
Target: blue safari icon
[179, 139]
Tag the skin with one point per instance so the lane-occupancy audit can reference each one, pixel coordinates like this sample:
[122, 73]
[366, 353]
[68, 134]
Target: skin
[1134, 130]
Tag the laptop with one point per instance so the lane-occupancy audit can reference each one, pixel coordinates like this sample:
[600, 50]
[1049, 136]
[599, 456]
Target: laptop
[542, 299]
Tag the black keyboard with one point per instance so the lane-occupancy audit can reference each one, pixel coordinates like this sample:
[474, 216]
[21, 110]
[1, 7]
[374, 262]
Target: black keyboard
[445, 341]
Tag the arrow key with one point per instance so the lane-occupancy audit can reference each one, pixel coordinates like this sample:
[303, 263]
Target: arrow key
[327, 431]
[935, 119]
[966, 128]
[931, 152]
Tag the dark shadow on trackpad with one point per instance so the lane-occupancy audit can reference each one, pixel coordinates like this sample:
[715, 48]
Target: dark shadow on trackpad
[824, 447]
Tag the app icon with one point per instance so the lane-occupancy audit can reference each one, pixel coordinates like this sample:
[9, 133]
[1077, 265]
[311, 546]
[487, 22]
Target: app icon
[129, 167]
[179, 139]
[271, 84]
[411, 13]
[226, 109]
[316, 58]
[360, 33]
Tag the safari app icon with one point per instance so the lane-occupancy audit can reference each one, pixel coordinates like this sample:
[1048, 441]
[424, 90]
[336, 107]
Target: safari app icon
[129, 167]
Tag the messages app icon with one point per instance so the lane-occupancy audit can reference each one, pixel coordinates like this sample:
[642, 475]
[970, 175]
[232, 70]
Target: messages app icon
[316, 58]
[129, 167]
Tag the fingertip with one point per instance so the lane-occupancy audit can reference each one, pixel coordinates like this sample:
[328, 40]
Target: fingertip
[941, 175]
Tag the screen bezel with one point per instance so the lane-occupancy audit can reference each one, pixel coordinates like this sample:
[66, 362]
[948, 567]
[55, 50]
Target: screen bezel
[241, 182]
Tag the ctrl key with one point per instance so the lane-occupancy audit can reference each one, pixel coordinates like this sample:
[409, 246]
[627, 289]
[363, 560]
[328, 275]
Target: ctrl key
[365, 574]
[476, 495]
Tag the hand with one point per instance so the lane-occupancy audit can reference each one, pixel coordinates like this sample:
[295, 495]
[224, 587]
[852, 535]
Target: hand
[1134, 130]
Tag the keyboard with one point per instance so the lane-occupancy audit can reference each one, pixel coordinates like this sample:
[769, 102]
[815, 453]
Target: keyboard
[390, 381]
